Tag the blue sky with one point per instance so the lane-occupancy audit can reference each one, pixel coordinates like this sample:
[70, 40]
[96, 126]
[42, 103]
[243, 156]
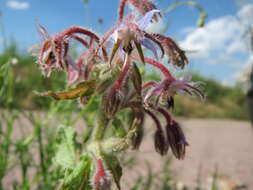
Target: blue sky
[220, 52]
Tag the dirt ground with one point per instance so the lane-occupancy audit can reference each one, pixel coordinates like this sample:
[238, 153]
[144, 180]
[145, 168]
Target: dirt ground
[223, 144]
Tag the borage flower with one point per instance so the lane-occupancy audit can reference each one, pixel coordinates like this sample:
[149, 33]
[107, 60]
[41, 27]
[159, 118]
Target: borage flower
[53, 53]
[167, 44]
[131, 32]
[165, 90]
[128, 36]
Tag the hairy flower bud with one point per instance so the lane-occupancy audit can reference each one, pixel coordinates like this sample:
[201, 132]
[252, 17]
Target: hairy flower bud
[113, 101]
[176, 55]
[161, 146]
[137, 123]
[170, 103]
[176, 139]
[101, 179]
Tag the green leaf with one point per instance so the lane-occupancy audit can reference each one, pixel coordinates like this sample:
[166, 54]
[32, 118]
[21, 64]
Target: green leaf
[79, 177]
[113, 165]
[139, 49]
[119, 127]
[137, 79]
[65, 154]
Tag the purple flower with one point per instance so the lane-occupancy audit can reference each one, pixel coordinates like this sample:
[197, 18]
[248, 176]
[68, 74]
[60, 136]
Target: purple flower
[53, 52]
[176, 139]
[131, 32]
[166, 89]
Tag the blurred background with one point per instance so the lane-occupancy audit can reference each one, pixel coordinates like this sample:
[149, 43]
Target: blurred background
[220, 49]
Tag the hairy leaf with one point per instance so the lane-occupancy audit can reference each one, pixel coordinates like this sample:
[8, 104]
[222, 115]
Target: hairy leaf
[79, 178]
[113, 165]
[65, 154]
[85, 88]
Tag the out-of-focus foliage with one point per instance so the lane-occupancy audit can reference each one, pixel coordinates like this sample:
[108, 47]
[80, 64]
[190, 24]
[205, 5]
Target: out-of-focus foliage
[38, 153]
[24, 79]
[221, 101]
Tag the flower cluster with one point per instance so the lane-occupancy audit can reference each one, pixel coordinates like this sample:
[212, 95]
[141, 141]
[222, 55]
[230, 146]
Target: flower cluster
[109, 67]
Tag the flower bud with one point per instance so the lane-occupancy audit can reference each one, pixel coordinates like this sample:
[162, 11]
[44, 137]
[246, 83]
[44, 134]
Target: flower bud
[161, 146]
[112, 102]
[138, 136]
[101, 179]
[170, 102]
[176, 139]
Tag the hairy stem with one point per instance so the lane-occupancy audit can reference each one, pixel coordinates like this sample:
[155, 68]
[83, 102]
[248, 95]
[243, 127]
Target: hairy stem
[102, 123]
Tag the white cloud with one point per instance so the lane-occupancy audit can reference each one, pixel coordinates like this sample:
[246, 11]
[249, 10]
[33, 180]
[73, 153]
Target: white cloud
[223, 40]
[223, 34]
[243, 74]
[20, 5]
[245, 14]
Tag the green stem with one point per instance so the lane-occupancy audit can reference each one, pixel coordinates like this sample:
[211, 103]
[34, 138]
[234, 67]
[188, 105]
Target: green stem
[100, 128]
[41, 153]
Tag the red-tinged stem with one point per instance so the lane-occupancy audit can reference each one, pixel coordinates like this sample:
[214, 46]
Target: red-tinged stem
[66, 49]
[148, 84]
[161, 67]
[142, 7]
[157, 122]
[122, 5]
[99, 175]
[100, 169]
[78, 30]
[162, 111]
[81, 40]
[138, 5]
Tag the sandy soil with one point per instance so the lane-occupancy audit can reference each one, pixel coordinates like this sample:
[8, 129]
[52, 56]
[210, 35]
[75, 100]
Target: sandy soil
[223, 144]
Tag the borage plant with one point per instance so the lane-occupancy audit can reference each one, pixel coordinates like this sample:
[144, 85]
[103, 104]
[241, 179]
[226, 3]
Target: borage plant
[109, 69]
